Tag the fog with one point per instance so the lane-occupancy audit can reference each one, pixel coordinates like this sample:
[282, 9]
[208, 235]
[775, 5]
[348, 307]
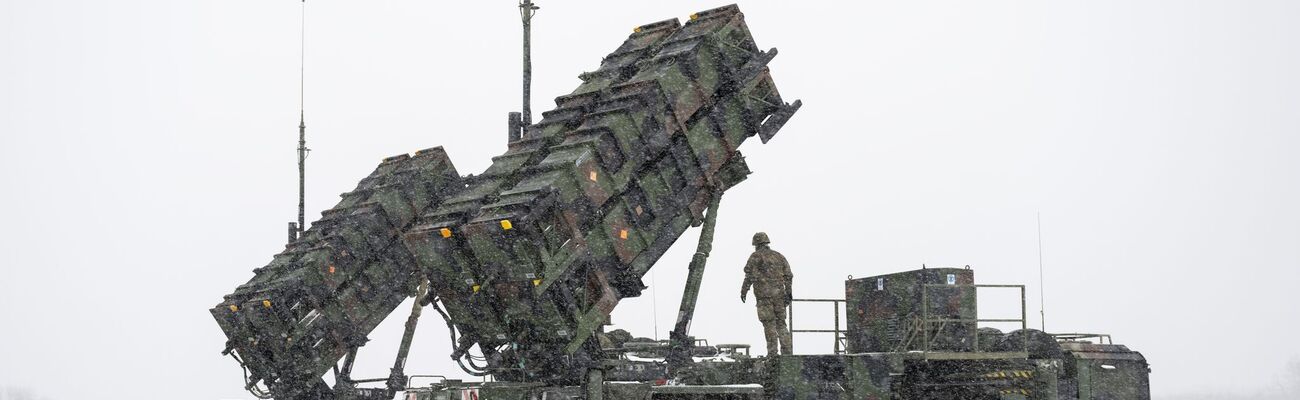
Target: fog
[147, 166]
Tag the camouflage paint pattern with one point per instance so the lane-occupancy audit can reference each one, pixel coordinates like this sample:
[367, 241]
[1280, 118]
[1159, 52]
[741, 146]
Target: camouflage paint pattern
[298, 315]
[992, 379]
[528, 258]
[856, 376]
[884, 311]
[1103, 371]
[611, 390]
[768, 272]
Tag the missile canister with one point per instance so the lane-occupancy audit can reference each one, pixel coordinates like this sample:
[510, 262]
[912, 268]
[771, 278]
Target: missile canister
[326, 291]
[527, 259]
[531, 259]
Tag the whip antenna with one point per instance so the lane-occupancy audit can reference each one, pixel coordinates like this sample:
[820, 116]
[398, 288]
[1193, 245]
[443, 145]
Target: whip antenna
[1042, 309]
[296, 231]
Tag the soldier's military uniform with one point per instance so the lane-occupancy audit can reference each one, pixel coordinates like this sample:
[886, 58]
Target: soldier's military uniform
[769, 273]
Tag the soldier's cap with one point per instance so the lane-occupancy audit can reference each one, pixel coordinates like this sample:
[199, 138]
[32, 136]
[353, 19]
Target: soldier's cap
[761, 238]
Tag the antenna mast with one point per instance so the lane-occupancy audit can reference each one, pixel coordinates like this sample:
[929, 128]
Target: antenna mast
[1042, 309]
[526, 11]
[296, 231]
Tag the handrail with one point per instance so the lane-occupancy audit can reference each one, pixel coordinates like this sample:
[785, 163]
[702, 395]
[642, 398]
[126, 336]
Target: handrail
[926, 320]
[1102, 338]
[839, 333]
[411, 378]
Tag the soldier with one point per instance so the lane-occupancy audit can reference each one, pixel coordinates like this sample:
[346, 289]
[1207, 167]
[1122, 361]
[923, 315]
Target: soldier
[769, 273]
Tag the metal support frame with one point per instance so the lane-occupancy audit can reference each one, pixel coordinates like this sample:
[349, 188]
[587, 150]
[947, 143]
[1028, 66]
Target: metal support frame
[679, 351]
[1101, 338]
[839, 333]
[345, 387]
[926, 321]
[397, 375]
[593, 385]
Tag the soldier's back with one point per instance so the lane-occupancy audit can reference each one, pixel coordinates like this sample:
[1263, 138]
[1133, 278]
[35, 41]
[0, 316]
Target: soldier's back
[769, 271]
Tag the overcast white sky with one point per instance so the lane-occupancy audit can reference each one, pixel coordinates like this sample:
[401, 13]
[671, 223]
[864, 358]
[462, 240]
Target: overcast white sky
[147, 165]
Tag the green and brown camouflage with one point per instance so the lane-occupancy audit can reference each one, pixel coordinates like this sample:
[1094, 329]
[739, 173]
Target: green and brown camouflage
[1077, 371]
[832, 376]
[527, 259]
[977, 379]
[769, 273]
[1103, 371]
[455, 390]
[884, 312]
[322, 294]
[591, 196]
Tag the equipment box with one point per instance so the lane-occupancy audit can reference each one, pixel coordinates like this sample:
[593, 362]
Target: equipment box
[885, 312]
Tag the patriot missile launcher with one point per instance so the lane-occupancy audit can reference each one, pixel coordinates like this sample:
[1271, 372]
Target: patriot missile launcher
[526, 260]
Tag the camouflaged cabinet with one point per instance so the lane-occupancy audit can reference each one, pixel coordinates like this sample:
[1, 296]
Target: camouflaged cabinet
[885, 312]
[1093, 371]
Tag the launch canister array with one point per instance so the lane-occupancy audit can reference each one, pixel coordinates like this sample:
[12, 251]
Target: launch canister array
[527, 259]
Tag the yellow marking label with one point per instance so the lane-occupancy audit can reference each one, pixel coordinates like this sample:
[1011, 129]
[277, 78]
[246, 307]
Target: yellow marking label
[446, 233]
[592, 176]
[475, 288]
[537, 282]
[622, 234]
[234, 308]
[266, 303]
[505, 224]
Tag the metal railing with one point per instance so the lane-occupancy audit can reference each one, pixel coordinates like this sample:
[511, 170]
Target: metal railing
[1102, 338]
[838, 332]
[926, 321]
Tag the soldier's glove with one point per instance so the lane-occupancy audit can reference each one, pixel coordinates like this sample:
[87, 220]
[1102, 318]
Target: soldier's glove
[742, 296]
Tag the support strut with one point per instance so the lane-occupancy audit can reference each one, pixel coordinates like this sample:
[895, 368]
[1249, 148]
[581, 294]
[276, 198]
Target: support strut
[680, 344]
[397, 376]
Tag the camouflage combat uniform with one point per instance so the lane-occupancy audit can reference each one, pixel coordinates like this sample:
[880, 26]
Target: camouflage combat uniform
[769, 273]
